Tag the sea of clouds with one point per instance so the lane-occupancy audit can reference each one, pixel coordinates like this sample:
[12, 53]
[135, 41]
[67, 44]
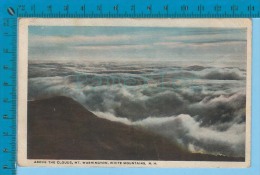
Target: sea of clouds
[200, 107]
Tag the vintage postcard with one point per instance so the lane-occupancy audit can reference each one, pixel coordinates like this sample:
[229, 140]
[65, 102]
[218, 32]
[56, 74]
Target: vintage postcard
[134, 92]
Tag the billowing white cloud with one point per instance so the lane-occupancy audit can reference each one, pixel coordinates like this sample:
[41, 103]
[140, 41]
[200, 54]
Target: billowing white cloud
[204, 115]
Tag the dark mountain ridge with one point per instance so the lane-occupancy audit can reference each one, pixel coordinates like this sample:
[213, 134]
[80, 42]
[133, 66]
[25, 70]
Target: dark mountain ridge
[61, 128]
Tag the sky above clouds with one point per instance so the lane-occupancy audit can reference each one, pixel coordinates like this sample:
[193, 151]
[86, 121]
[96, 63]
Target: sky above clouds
[218, 45]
